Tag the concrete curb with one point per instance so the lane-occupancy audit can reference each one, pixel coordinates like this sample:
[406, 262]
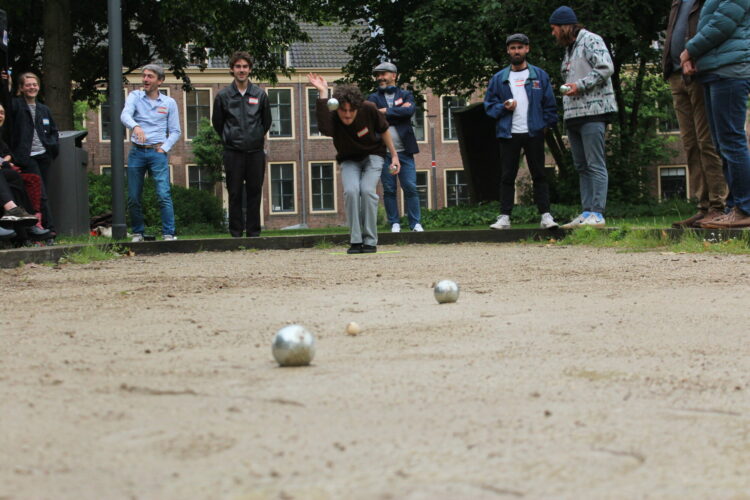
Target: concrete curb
[37, 255]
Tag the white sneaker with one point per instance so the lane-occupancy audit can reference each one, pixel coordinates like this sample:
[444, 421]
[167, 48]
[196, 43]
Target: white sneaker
[548, 222]
[396, 228]
[169, 237]
[137, 238]
[594, 220]
[418, 228]
[503, 222]
[576, 221]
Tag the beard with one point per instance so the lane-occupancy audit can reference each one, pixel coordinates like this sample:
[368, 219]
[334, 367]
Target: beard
[518, 59]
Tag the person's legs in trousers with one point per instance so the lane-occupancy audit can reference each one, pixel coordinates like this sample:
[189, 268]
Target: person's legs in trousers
[510, 156]
[136, 171]
[407, 177]
[713, 166]
[533, 147]
[592, 138]
[234, 166]
[729, 109]
[371, 171]
[390, 184]
[255, 170]
[351, 171]
[715, 139]
[160, 171]
[42, 164]
[579, 160]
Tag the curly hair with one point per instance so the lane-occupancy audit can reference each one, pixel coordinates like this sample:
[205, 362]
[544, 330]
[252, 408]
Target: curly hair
[349, 93]
[569, 33]
[239, 55]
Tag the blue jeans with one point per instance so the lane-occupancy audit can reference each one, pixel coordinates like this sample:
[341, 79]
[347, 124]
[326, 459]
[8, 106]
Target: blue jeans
[587, 146]
[141, 160]
[726, 106]
[408, 178]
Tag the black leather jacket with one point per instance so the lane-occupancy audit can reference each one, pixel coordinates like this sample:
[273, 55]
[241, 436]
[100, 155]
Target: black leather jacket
[242, 121]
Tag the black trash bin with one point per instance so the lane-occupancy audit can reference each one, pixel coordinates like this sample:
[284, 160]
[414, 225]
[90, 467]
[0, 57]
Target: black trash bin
[479, 152]
[67, 186]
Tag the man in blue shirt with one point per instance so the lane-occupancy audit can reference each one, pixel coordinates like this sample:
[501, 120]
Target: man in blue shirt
[155, 125]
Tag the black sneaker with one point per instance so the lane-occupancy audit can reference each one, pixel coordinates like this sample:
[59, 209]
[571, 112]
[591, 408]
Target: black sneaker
[19, 215]
[355, 248]
[369, 249]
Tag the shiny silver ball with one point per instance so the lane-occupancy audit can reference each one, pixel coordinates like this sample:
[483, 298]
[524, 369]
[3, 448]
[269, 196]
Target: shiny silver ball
[564, 89]
[293, 345]
[333, 104]
[446, 291]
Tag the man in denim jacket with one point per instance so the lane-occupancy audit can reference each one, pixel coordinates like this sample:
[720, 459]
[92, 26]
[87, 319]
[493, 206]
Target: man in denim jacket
[520, 98]
[588, 101]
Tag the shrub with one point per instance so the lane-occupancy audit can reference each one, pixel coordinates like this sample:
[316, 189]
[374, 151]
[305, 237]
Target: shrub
[194, 210]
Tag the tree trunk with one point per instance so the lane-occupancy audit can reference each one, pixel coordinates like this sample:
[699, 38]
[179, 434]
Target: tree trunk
[57, 57]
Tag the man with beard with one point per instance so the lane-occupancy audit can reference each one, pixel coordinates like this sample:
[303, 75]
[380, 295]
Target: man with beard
[520, 98]
[398, 106]
[588, 103]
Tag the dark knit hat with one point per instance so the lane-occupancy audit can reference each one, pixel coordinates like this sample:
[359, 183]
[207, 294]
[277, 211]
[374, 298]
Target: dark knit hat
[563, 15]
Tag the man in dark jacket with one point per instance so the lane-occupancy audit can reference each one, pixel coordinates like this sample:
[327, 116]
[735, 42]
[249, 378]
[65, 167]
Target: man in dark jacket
[398, 106]
[719, 54]
[242, 117]
[707, 183]
[34, 140]
[520, 98]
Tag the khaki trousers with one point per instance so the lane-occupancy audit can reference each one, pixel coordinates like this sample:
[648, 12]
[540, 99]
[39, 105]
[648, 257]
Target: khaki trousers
[705, 168]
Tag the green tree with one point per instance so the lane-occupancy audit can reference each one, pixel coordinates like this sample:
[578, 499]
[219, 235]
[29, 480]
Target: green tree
[66, 41]
[208, 150]
[455, 46]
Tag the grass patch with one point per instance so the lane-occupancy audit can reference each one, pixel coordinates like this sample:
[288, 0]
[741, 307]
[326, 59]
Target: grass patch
[323, 244]
[637, 239]
[92, 253]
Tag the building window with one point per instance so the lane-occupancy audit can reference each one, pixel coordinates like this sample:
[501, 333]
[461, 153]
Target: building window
[417, 122]
[197, 106]
[104, 116]
[322, 186]
[423, 188]
[457, 192]
[450, 104]
[282, 187]
[673, 183]
[281, 112]
[200, 178]
[107, 170]
[312, 129]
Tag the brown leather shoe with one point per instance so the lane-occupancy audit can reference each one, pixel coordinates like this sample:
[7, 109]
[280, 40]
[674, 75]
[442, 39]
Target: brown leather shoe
[736, 219]
[689, 222]
[710, 217]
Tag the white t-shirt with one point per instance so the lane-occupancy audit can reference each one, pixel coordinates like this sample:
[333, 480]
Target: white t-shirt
[517, 82]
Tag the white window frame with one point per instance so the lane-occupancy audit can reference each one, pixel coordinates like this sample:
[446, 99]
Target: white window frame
[658, 179]
[184, 109]
[445, 183]
[125, 136]
[307, 117]
[187, 176]
[442, 125]
[291, 112]
[271, 211]
[402, 200]
[335, 188]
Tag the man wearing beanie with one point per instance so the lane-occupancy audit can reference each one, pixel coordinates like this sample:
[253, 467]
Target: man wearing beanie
[588, 103]
[520, 98]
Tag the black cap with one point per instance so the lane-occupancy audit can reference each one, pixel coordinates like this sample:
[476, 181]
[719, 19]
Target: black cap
[518, 38]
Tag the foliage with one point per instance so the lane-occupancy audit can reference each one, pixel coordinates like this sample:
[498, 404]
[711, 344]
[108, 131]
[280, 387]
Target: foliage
[160, 30]
[92, 253]
[195, 210]
[486, 213]
[208, 150]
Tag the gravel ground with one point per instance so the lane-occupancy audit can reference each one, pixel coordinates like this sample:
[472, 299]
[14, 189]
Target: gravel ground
[562, 372]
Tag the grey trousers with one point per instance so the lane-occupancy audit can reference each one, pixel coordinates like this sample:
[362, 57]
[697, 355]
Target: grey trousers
[360, 180]
[587, 146]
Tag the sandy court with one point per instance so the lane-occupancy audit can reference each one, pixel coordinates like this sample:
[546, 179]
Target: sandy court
[562, 372]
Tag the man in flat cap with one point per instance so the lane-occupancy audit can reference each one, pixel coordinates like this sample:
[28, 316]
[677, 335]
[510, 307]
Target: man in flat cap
[520, 98]
[398, 106]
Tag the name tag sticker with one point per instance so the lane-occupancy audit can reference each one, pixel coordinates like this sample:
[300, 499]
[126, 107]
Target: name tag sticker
[252, 100]
[363, 132]
[162, 110]
[399, 102]
[537, 85]
[45, 121]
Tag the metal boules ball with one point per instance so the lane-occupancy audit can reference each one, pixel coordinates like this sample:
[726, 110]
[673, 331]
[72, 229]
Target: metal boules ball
[293, 345]
[446, 291]
[564, 89]
[333, 104]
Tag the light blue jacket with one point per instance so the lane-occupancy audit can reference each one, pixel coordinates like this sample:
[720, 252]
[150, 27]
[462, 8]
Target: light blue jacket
[723, 36]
